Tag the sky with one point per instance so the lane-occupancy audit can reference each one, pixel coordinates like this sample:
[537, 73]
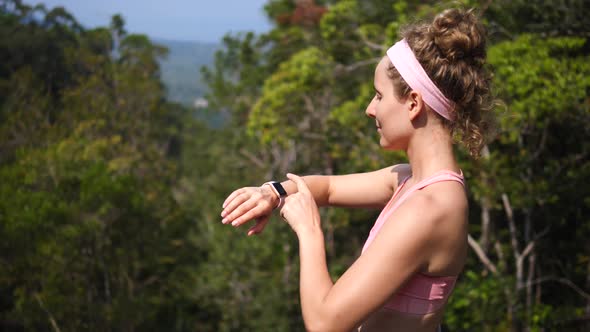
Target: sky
[188, 20]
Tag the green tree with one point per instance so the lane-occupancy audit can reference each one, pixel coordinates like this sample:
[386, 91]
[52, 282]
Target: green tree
[93, 236]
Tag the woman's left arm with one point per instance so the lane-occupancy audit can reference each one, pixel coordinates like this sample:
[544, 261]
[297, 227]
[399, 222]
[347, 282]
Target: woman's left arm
[399, 250]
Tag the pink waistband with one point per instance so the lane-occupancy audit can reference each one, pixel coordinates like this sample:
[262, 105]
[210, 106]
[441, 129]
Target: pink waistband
[422, 294]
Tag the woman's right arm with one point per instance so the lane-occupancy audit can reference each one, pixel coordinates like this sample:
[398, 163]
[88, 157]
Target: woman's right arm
[358, 190]
[367, 190]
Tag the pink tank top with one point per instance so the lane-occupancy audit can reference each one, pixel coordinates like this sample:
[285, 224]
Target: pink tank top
[422, 294]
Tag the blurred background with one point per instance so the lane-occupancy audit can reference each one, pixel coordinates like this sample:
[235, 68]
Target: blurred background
[125, 124]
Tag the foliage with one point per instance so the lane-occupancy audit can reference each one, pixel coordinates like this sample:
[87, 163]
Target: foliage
[93, 237]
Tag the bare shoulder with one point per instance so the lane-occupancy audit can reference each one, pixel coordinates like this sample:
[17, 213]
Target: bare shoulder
[448, 199]
[435, 216]
[438, 204]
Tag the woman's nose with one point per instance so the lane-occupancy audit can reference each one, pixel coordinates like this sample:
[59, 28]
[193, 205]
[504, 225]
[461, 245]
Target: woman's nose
[370, 111]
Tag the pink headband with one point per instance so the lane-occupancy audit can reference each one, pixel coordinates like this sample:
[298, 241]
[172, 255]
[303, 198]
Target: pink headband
[404, 60]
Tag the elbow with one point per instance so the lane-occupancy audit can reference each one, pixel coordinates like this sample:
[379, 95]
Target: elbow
[324, 324]
[316, 326]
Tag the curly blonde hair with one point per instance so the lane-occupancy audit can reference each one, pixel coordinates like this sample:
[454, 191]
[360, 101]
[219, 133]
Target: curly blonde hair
[452, 51]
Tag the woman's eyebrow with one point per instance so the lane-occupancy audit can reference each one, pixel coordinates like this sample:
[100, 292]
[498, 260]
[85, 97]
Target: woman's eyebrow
[376, 90]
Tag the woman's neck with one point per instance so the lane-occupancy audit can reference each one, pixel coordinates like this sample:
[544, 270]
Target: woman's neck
[429, 151]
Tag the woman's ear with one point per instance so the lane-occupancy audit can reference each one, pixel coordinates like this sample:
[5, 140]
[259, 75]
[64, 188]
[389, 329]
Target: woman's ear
[415, 104]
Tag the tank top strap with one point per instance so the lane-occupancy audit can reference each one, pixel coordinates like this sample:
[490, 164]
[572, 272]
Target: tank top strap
[440, 177]
[396, 192]
[435, 178]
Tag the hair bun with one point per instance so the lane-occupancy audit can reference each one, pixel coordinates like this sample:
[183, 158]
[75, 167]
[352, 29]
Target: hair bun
[459, 35]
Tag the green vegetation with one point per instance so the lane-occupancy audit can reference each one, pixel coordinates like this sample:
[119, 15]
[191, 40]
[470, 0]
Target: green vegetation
[110, 194]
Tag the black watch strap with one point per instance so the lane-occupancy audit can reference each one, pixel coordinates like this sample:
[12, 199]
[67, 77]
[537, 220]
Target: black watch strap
[279, 190]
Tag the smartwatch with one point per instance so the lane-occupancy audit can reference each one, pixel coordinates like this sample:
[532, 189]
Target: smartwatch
[278, 189]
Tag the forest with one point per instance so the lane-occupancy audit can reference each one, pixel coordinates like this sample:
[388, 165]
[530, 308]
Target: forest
[110, 194]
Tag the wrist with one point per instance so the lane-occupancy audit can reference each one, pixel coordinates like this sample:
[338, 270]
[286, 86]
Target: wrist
[269, 194]
[278, 193]
[310, 236]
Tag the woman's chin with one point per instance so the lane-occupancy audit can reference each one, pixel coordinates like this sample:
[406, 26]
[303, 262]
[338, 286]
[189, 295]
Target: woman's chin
[384, 144]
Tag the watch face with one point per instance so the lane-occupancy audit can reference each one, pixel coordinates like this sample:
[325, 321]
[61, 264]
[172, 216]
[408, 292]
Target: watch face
[282, 192]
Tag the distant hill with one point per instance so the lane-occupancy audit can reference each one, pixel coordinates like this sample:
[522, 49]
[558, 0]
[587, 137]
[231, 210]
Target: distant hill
[181, 70]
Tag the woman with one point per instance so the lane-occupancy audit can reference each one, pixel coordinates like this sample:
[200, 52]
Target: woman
[429, 87]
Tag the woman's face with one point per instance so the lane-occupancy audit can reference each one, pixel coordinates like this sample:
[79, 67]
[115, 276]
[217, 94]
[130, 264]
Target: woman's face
[390, 113]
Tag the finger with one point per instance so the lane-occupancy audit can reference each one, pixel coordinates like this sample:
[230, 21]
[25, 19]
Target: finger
[231, 197]
[284, 209]
[234, 203]
[301, 185]
[236, 208]
[246, 213]
[288, 201]
[259, 227]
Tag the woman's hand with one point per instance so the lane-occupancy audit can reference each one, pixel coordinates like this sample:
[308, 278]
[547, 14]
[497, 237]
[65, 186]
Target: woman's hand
[249, 203]
[300, 209]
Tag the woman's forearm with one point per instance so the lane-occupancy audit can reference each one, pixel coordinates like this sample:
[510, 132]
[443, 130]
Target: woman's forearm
[315, 280]
[319, 185]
